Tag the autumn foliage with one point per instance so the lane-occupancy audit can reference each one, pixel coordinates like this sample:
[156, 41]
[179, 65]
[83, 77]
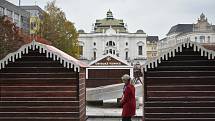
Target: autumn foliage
[60, 31]
[11, 37]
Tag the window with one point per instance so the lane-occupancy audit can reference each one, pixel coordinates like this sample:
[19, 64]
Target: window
[209, 39]
[110, 51]
[81, 50]
[9, 13]
[16, 18]
[111, 47]
[126, 55]
[1, 11]
[202, 39]
[33, 25]
[140, 50]
[94, 55]
[25, 23]
[110, 43]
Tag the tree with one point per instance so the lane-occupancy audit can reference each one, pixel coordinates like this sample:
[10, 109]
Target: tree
[57, 29]
[11, 37]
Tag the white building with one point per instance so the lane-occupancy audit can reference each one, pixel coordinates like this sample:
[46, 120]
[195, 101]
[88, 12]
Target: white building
[110, 36]
[202, 32]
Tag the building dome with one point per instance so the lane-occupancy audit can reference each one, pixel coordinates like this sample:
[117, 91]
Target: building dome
[202, 16]
[140, 31]
[104, 24]
[81, 31]
[110, 31]
[109, 15]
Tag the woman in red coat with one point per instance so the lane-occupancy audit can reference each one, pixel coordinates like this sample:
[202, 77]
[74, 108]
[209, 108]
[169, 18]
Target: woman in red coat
[128, 99]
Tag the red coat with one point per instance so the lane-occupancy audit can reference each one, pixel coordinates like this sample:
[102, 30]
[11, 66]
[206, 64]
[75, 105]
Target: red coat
[128, 101]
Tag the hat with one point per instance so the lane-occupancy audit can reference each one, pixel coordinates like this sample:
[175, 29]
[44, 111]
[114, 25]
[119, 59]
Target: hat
[125, 77]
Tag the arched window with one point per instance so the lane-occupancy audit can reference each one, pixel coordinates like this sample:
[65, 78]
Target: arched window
[110, 51]
[111, 47]
[81, 50]
[110, 43]
[140, 46]
[126, 55]
[140, 50]
[202, 39]
[94, 55]
[209, 39]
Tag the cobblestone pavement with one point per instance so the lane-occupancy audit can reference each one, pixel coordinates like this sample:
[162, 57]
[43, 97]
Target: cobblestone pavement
[110, 111]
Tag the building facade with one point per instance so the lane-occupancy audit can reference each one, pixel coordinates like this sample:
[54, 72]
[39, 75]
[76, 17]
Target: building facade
[151, 44]
[16, 15]
[110, 36]
[201, 32]
[36, 14]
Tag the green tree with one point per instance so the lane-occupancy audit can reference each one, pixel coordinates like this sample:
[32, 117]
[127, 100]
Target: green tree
[57, 29]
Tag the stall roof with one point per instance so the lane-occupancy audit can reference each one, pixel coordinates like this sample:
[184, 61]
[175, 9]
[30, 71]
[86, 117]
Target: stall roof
[178, 48]
[51, 52]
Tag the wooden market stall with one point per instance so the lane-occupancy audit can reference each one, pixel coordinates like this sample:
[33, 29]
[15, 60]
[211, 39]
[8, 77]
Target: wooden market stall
[38, 82]
[180, 85]
[107, 70]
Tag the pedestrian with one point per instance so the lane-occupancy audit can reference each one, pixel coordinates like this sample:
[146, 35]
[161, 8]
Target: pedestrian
[128, 101]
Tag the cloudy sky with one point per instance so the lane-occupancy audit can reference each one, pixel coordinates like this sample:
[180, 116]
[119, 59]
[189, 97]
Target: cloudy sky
[155, 17]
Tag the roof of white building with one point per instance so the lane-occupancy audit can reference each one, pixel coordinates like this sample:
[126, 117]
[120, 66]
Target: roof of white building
[186, 28]
[181, 28]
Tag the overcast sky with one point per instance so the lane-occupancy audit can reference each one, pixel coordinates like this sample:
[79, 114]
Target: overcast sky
[155, 17]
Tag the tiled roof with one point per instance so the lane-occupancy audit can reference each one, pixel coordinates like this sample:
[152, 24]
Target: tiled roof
[181, 28]
[164, 39]
[152, 38]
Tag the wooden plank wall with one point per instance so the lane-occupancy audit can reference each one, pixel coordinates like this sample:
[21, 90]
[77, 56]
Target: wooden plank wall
[181, 89]
[103, 77]
[35, 88]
